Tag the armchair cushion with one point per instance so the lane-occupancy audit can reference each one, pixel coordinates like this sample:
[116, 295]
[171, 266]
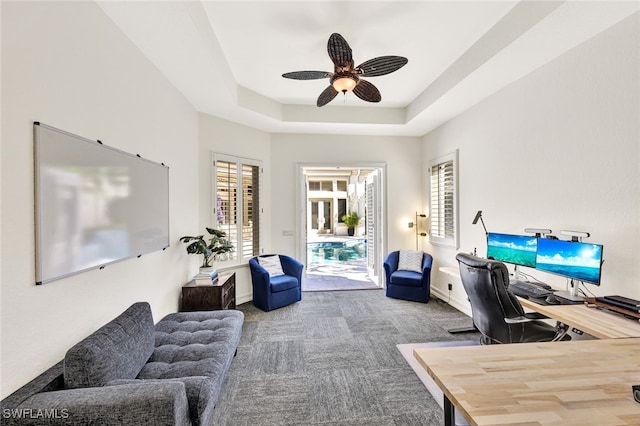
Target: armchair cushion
[408, 278]
[282, 283]
[272, 265]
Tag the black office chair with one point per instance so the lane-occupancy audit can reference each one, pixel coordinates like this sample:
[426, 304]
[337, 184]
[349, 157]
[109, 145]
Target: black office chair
[496, 312]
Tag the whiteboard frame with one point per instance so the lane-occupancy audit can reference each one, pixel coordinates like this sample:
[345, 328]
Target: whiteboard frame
[43, 276]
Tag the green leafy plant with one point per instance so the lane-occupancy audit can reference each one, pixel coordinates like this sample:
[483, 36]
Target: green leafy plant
[351, 220]
[218, 244]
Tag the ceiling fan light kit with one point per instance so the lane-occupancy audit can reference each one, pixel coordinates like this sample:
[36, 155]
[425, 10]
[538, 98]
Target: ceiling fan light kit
[344, 82]
[346, 77]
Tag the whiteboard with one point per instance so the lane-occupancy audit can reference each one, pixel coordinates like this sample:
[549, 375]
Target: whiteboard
[94, 204]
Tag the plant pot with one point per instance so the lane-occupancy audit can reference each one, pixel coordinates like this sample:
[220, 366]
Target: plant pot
[351, 231]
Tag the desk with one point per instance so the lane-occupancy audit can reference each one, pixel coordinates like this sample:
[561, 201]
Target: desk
[596, 322]
[560, 383]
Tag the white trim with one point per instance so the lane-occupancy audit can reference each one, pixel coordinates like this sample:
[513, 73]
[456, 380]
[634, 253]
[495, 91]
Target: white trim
[240, 161]
[441, 241]
[301, 250]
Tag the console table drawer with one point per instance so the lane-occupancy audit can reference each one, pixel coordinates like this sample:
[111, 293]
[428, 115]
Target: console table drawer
[221, 295]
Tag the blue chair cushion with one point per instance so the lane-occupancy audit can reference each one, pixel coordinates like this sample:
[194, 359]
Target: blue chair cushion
[407, 278]
[283, 283]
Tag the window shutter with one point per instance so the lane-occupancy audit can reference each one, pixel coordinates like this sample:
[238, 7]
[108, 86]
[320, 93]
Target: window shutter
[250, 222]
[237, 205]
[443, 214]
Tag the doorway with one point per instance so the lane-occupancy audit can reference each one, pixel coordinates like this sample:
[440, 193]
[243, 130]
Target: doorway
[320, 217]
[338, 257]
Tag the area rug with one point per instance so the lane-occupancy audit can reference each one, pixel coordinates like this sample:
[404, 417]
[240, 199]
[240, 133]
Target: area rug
[407, 352]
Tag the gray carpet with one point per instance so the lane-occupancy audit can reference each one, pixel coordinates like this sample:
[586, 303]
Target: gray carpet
[332, 359]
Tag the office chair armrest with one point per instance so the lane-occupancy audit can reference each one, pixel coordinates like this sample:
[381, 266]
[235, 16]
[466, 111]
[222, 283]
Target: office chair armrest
[518, 320]
[527, 317]
[535, 316]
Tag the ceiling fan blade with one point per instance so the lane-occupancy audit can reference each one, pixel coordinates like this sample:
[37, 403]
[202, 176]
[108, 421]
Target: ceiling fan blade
[307, 75]
[367, 91]
[326, 96]
[381, 65]
[339, 51]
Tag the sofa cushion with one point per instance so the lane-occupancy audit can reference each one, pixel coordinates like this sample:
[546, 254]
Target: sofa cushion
[196, 348]
[117, 350]
[197, 391]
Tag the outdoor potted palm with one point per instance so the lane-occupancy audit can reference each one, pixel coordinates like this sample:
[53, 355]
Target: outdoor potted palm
[352, 220]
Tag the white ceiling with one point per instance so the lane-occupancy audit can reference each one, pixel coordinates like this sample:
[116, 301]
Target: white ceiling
[228, 57]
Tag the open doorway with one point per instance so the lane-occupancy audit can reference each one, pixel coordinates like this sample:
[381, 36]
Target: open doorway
[341, 218]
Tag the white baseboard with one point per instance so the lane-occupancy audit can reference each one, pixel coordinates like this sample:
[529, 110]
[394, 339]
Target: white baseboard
[461, 305]
[248, 297]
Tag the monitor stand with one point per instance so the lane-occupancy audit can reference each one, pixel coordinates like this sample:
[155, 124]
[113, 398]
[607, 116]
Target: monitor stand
[571, 295]
[516, 273]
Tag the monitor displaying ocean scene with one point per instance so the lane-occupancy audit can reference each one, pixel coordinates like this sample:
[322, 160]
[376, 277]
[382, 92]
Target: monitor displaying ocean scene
[577, 260]
[515, 249]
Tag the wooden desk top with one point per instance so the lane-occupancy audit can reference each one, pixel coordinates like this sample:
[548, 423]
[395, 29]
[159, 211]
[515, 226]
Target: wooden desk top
[596, 322]
[585, 382]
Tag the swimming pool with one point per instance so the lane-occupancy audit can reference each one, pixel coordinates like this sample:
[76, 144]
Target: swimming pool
[336, 251]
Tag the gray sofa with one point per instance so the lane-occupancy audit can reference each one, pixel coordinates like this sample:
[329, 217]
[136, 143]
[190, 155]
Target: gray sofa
[132, 372]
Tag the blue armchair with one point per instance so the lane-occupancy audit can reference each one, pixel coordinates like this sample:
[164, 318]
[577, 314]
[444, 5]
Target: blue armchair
[408, 285]
[273, 292]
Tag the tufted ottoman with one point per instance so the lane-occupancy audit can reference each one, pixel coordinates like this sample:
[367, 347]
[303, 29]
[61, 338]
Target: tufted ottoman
[195, 348]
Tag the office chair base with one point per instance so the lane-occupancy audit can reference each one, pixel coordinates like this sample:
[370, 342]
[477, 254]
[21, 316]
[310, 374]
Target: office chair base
[471, 329]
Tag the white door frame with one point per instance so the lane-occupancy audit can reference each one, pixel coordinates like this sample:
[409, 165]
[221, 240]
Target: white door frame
[301, 207]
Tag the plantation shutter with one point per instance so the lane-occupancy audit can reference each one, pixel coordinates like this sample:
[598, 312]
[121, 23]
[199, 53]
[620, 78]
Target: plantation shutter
[443, 215]
[250, 213]
[227, 201]
[237, 204]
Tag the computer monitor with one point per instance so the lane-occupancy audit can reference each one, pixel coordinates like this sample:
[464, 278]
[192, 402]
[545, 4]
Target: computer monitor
[576, 260]
[515, 249]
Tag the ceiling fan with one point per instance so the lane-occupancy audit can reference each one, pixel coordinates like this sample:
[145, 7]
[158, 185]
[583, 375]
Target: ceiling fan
[346, 77]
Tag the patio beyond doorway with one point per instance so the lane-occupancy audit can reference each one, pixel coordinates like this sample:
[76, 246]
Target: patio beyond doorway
[337, 263]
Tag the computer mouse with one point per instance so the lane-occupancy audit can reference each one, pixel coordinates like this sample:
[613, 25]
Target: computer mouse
[552, 300]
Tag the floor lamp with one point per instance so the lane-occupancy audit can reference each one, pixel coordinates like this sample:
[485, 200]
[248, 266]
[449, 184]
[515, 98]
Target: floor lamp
[420, 230]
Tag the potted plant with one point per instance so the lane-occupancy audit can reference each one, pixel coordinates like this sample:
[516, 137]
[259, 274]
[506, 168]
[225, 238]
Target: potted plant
[218, 244]
[351, 220]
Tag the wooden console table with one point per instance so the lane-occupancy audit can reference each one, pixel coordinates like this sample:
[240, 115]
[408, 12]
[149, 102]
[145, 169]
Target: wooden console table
[221, 295]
